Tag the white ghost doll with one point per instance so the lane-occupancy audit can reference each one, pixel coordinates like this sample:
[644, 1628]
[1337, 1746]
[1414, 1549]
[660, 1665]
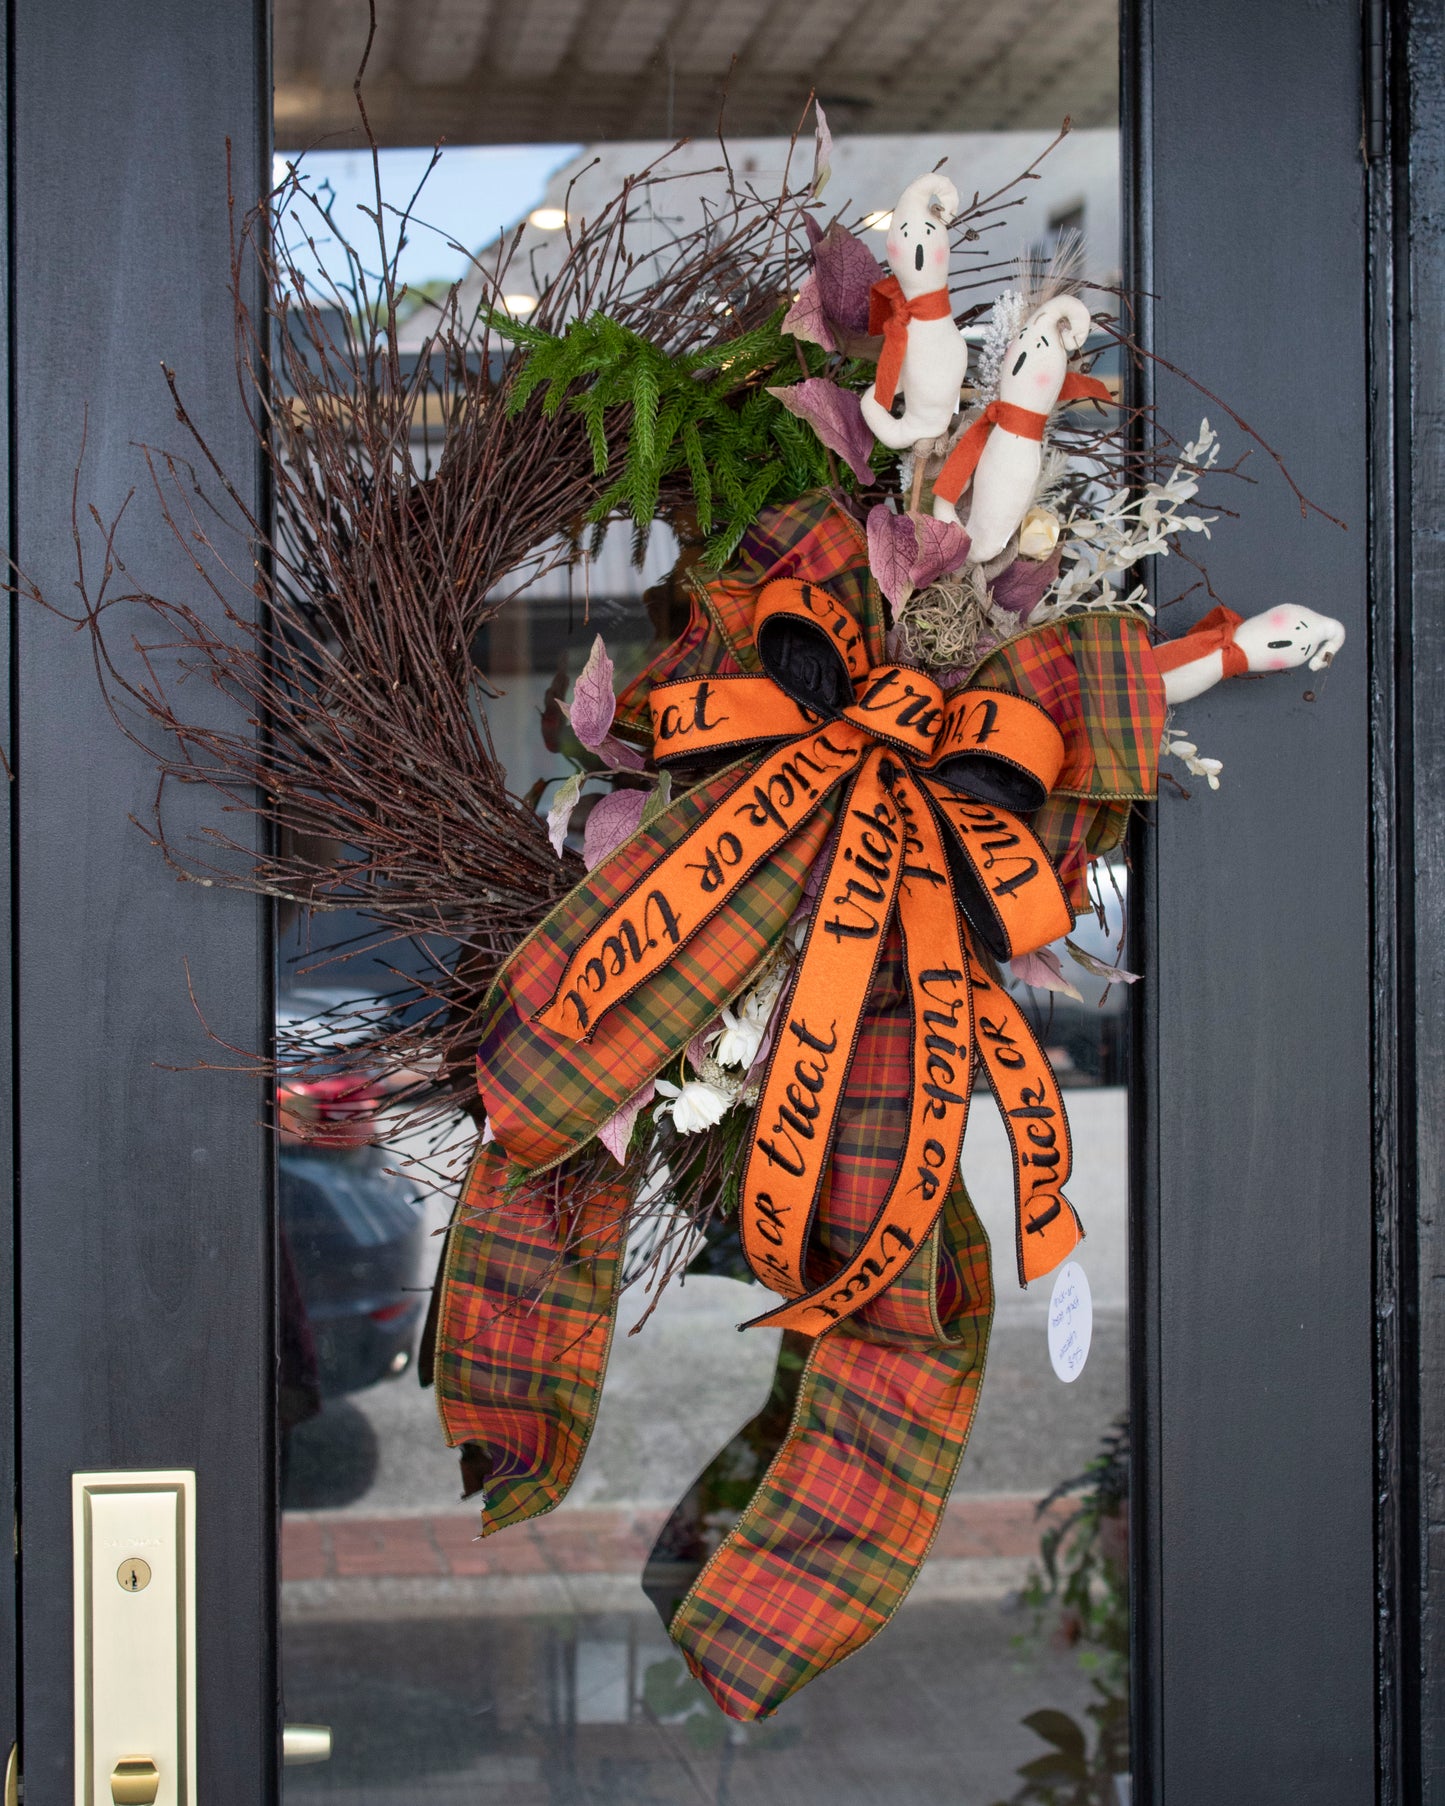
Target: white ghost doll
[924, 354]
[1002, 451]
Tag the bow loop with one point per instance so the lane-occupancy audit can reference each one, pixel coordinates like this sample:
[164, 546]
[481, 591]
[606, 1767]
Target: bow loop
[809, 644]
[1000, 748]
[926, 790]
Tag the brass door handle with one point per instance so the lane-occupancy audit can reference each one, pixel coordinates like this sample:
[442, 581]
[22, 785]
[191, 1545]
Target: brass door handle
[134, 1781]
[305, 1743]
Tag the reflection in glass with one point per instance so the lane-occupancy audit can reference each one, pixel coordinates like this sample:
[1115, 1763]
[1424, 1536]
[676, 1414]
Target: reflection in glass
[534, 1667]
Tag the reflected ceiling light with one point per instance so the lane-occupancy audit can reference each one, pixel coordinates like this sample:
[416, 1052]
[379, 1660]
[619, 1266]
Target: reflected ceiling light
[520, 305]
[548, 219]
[877, 222]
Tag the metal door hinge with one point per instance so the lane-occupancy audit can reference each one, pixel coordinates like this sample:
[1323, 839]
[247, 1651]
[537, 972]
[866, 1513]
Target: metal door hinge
[1376, 81]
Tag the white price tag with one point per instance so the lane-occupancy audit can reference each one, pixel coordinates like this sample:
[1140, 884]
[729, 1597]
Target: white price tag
[1071, 1321]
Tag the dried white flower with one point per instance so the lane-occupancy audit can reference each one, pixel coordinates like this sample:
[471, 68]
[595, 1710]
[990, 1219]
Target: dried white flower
[740, 1040]
[693, 1105]
[1038, 533]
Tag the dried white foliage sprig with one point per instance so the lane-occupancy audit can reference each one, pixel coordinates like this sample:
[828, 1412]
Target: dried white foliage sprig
[1005, 319]
[1100, 546]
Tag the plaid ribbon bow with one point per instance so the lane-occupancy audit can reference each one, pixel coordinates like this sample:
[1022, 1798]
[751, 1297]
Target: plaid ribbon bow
[928, 834]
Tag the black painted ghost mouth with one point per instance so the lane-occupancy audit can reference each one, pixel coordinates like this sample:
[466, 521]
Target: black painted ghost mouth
[918, 257]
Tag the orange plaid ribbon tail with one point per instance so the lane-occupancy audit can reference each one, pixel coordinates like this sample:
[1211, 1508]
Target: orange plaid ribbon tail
[930, 834]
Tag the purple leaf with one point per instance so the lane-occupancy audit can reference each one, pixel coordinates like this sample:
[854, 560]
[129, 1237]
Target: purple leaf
[805, 319]
[822, 150]
[616, 1132]
[1043, 971]
[619, 755]
[846, 270]
[1114, 975]
[892, 550]
[614, 818]
[594, 701]
[815, 231]
[1021, 586]
[942, 547]
[697, 1047]
[836, 416]
[560, 814]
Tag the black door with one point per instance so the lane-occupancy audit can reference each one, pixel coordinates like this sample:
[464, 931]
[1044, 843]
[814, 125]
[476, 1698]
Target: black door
[1270, 1221]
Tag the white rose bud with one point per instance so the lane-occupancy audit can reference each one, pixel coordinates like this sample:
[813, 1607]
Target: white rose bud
[1038, 533]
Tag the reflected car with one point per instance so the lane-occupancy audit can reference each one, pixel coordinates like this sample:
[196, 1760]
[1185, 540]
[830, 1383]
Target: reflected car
[352, 1226]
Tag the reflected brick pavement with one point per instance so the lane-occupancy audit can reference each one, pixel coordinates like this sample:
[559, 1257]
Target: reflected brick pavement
[586, 1540]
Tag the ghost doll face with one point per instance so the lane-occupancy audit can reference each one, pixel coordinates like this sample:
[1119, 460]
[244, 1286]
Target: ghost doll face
[1033, 368]
[918, 235]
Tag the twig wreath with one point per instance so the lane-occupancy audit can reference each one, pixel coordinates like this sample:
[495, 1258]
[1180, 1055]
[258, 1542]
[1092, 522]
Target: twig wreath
[728, 998]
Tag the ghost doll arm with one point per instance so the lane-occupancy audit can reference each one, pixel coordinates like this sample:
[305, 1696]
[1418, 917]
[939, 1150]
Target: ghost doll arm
[1225, 645]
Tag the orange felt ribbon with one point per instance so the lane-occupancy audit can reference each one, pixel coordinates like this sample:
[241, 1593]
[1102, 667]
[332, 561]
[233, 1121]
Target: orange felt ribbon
[928, 791]
[1213, 633]
[1025, 423]
[889, 312]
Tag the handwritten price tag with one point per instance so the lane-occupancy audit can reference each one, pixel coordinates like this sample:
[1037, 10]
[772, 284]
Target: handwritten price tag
[1071, 1321]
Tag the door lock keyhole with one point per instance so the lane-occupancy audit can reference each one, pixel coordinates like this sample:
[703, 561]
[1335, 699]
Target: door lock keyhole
[134, 1574]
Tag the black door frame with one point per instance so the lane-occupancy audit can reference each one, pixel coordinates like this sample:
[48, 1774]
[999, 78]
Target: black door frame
[1288, 1121]
[1405, 144]
[143, 1218]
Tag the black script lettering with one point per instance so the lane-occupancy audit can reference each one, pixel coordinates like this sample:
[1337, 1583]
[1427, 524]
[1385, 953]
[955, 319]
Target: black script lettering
[801, 1117]
[1008, 1054]
[1050, 1159]
[838, 623]
[623, 946]
[728, 852]
[985, 710]
[803, 1033]
[934, 1157]
[666, 917]
[948, 975]
[1037, 1225]
[866, 930]
[672, 725]
[776, 1156]
[808, 1108]
[770, 1228]
[939, 1098]
[1005, 887]
[882, 817]
[869, 701]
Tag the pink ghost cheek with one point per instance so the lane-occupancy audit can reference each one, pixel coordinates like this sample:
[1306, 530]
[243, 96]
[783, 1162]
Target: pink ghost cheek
[1279, 664]
[939, 256]
[1042, 380]
[895, 250]
[1278, 617]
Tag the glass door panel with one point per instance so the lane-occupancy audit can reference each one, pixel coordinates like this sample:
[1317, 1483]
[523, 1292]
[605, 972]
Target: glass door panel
[533, 1666]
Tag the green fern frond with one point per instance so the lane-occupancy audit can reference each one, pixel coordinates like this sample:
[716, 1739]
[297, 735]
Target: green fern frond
[652, 417]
